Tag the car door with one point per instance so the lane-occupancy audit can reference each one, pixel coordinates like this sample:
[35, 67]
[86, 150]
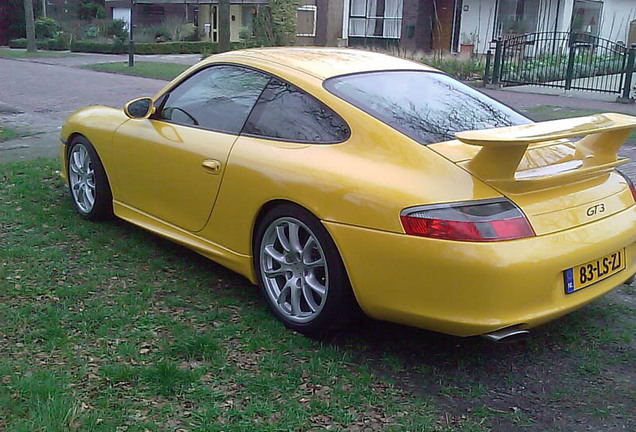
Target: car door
[171, 165]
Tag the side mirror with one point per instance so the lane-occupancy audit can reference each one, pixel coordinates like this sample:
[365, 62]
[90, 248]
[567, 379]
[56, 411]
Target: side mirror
[141, 108]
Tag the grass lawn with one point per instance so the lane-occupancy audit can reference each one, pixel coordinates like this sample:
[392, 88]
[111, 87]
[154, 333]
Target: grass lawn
[6, 133]
[147, 69]
[20, 53]
[106, 327]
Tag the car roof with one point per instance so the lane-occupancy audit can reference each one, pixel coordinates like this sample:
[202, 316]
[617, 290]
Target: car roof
[319, 62]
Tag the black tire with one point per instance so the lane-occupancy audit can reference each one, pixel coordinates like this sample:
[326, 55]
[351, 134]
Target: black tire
[299, 269]
[87, 181]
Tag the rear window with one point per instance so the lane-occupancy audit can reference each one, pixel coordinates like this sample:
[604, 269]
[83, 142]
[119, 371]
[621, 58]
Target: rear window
[426, 106]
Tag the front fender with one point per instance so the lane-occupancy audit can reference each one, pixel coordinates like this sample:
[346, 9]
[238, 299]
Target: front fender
[97, 124]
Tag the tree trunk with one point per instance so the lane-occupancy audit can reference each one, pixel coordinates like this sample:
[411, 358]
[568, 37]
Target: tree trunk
[224, 25]
[30, 26]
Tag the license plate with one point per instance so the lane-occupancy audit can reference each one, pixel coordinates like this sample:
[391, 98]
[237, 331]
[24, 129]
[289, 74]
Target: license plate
[587, 274]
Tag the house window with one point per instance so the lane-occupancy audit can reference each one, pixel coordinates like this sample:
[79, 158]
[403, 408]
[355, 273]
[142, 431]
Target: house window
[306, 21]
[154, 9]
[517, 17]
[376, 18]
[586, 16]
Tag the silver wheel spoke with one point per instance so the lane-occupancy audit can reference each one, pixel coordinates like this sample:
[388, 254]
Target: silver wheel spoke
[272, 273]
[81, 159]
[82, 197]
[74, 167]
[282, 296]
[89, 193]
[315, 285]
[294, 238]
[295, 301]
[77, 162]
[278, 256]
[308, 296]
[282, 238]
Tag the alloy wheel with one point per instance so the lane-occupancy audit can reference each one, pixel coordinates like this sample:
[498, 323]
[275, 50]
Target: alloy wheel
[294, 269]
[82, 178]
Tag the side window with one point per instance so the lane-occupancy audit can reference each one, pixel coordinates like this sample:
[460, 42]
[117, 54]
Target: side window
[285, 112]
[218, 98]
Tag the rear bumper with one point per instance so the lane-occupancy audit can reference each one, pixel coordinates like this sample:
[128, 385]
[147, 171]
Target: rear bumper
[467, 288]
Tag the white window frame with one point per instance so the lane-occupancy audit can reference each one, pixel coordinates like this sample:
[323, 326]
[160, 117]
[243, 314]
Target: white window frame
[307, 8]
[369, 17]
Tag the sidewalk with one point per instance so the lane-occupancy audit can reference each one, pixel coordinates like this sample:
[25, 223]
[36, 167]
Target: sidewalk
[529, 96]
[82, 59]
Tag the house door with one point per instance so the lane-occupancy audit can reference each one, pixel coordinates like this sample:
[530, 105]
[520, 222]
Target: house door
[235, 22]
[443, 12]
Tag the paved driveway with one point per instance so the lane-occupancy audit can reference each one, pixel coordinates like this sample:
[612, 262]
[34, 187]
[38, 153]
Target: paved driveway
[36, 97]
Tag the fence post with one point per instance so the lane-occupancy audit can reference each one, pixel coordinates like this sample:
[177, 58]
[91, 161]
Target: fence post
[571, 54]
[487, 71]
[629, 71]
[497, 67]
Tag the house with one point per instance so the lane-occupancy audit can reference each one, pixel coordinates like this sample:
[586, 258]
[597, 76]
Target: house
[443, 25]
[411, 25]
[484, 20]
[203, 13]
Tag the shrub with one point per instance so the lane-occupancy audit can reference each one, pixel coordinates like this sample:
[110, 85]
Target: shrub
[177, 29]
[144, 34]
[459, 68]
[162, 33]
[46, 28]
[117, 29]
[91, 32]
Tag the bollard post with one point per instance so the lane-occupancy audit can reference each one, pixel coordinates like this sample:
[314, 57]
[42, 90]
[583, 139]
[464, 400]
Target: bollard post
[487, 71]
[629, 71]
[569, 73]
[497, 67]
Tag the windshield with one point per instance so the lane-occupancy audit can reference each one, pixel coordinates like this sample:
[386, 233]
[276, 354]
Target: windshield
[426, 106]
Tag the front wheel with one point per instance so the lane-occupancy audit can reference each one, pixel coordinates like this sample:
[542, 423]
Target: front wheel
[300, 272]
[87, 181]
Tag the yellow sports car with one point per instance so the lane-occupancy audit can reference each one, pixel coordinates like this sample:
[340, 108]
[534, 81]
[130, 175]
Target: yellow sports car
[338, 179]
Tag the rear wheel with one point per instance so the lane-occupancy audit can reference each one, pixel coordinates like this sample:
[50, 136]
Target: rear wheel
[300, 272]
[87, 181]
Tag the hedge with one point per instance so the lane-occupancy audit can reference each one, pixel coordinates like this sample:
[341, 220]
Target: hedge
[99, 47]
[43, 44]
[149, 48]
[119, 47]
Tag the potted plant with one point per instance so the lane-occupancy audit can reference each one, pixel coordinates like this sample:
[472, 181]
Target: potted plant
[467, 44]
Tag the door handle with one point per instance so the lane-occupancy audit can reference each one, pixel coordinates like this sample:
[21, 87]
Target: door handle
[212, 165]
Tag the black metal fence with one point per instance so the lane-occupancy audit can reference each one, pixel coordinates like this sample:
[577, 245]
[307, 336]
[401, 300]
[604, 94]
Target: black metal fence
[562, 59]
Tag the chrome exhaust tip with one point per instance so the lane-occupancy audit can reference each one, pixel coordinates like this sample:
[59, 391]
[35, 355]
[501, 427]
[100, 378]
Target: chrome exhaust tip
[508, 334]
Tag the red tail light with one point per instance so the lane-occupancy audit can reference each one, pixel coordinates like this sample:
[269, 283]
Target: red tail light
[485, 220]
[630, 183]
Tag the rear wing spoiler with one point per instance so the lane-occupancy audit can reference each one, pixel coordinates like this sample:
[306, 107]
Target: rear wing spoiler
[503, 148]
